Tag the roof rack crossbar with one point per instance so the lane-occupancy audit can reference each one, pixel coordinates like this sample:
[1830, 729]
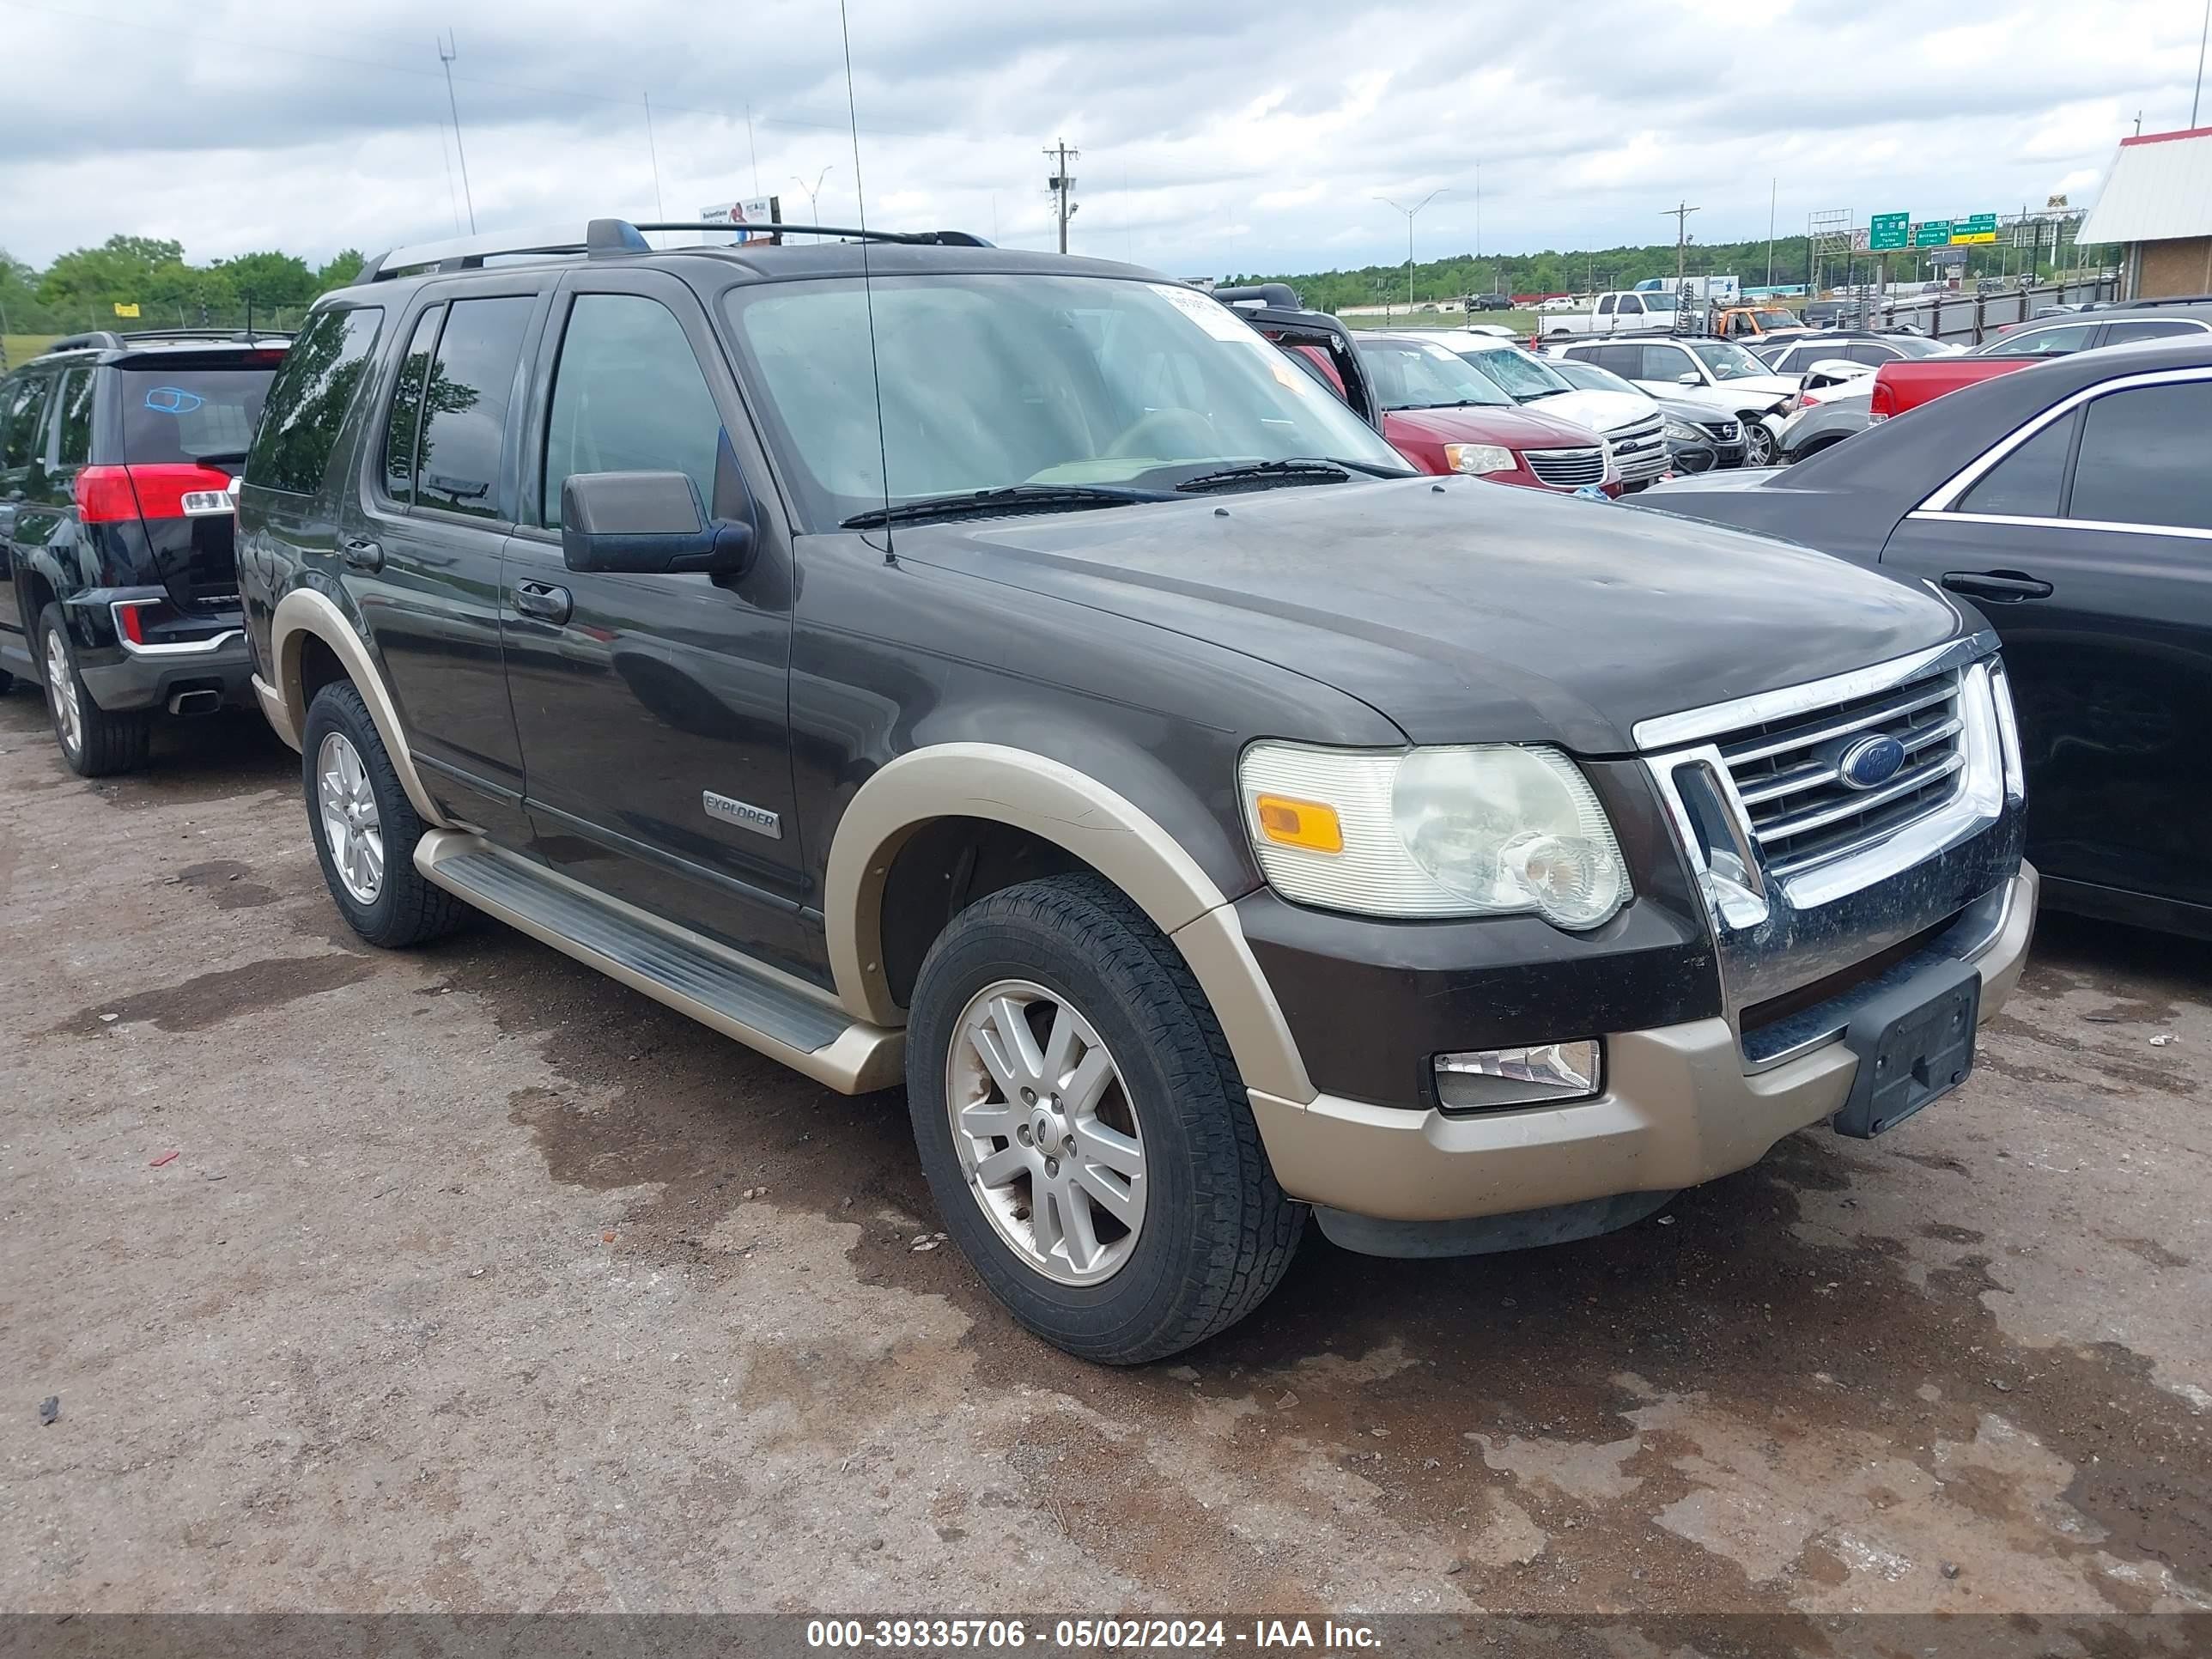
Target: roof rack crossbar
[605, 237]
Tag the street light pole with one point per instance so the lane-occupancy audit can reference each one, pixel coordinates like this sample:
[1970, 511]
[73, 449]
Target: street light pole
[1409, 212]
[814, 192]
[2201, 34]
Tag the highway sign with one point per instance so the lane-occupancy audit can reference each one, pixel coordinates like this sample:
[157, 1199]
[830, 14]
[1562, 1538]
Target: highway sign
[1932, 232]
[1982, 227]
[1889, 232]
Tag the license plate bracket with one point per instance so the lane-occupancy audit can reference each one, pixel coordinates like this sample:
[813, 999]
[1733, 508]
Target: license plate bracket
[1915, 1044]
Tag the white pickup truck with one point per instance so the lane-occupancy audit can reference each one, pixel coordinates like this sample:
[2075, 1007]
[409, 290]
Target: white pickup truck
[1622, 309]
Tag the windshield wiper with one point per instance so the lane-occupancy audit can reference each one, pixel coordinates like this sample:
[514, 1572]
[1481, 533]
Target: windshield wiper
[1013, 498]
[1296, 470]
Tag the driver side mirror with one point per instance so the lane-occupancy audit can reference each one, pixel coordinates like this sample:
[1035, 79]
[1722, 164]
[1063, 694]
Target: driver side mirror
[1688, 377]
[646, 524]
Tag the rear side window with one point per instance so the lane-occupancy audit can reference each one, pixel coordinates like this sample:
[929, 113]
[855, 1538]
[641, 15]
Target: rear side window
[2124, 333]
[307, 403]
[175, 413]
[628, 397]
[77, 417]
[2029, 482]
[1664, 363]
[21, 418]
[405, 423]
[465, 404]
[2142, 457]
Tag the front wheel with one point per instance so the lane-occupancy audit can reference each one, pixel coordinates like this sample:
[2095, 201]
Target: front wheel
[1759, 446]
[1082, 1128]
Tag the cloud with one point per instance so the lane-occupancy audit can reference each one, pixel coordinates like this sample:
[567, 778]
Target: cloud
[1225, 137]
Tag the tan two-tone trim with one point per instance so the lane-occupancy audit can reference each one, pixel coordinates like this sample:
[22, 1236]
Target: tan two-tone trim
[300, 613]
[1073, 810]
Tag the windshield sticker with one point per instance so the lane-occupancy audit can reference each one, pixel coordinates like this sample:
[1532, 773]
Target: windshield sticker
[173, 400]
[1215, 318]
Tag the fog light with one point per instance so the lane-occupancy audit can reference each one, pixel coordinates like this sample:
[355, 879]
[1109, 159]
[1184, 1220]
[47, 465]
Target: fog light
[1541, 1075]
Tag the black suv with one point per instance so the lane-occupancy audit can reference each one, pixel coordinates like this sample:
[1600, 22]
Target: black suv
[119, 457]
[1008, 675]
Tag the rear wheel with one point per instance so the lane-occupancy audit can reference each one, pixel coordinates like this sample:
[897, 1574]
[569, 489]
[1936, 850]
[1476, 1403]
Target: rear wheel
[1088, 1143]
[96, 744]
[365, 827]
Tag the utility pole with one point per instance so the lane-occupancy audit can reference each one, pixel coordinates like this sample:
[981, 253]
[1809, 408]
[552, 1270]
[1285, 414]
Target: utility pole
[448, 50]
[1062, 186]
[1409, 212]
[1681, 216]
[2201, 34]
[1773, 188]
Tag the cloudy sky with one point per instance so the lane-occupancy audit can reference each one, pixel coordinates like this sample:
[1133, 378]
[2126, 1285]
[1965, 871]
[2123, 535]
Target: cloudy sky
[1214, 138]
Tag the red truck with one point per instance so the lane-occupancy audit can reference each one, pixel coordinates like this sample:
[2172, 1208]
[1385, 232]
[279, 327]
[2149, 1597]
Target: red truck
[1912, 381]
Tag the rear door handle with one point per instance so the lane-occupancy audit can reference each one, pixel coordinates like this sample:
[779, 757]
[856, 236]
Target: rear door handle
[544, 601]
[2004, 586]
[362, 554]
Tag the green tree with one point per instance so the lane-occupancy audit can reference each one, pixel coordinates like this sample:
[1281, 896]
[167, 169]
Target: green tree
[343, 267]
[117, 270]
[269, 279]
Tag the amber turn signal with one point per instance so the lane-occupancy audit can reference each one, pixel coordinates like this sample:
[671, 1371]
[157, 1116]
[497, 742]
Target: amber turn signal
[1299, 824]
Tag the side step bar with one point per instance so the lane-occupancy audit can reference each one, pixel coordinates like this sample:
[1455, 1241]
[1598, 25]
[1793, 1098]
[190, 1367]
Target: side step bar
[759, 1008]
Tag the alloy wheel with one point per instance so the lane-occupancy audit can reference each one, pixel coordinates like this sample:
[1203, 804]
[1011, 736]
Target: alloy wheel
[61, 692]
[351, 829]
[1048, 1138]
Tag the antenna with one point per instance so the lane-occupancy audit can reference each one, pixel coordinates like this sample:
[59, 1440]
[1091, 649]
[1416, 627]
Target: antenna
[449, 50]
[653, 150]
[867, 286]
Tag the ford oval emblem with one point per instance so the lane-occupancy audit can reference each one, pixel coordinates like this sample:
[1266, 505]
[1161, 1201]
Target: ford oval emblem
[1871, 761]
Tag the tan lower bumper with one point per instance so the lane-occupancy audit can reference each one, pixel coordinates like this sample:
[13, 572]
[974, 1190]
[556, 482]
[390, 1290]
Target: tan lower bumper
[1680, 1111]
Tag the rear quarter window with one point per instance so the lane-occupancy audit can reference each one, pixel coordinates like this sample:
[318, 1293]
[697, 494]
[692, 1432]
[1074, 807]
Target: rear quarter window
[309, 399]
[184, 412]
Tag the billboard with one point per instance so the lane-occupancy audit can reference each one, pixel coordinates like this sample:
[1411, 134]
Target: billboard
[758, 210]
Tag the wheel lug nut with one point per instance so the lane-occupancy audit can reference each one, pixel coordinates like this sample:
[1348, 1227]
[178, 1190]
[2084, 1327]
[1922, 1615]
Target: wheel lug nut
[1022, 1135]
[1052, 1166]
[1029, 1097]
[1068, 1145]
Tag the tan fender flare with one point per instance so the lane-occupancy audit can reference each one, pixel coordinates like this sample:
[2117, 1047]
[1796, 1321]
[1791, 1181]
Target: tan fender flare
[304, 611]
[1074, 811]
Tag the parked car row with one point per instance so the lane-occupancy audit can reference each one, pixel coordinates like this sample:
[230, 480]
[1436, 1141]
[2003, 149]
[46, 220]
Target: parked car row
[1127, 716]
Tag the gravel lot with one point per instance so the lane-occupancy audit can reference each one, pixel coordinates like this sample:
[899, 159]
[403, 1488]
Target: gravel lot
[477, 1281]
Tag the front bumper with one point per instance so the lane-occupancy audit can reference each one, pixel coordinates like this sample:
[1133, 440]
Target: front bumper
[1680, 1108]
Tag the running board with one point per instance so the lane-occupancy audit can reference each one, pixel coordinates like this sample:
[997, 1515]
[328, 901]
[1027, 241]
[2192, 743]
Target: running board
[755, 1004]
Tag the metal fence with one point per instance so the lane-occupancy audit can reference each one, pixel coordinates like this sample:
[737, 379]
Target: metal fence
[1970, 319]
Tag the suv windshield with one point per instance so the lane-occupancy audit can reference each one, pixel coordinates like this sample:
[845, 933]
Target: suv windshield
[993, 381]
[1586, 376]
[1729, 362]
[172, 412]
[1423, 375]
[1523, 377]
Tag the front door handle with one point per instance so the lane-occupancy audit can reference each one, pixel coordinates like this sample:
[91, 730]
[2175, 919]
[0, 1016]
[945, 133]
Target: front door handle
[2005, 586]
[544, 601]
[362, 554]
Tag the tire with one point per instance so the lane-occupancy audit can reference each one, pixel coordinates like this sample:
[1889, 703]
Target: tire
[397, 908]
[6, 681]
[1760, 445]
[1215, 1233]
[96, 743]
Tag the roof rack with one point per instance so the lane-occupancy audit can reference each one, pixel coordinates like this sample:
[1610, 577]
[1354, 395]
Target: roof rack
[97, 339]
[1265, 294]
[606, 238]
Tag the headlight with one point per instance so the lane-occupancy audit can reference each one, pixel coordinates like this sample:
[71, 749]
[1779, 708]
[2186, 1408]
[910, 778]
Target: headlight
[1479, 457]
[1479, 830]
[1682, 432]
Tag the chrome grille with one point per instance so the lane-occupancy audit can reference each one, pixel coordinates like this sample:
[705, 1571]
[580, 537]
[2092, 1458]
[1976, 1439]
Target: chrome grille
[1789, 775]
[1567, 469]
[1638, 450]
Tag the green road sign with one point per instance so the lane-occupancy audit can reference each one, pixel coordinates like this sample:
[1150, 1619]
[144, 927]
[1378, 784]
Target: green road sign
[1889, 232]
[1982, 227]
[1932, 232]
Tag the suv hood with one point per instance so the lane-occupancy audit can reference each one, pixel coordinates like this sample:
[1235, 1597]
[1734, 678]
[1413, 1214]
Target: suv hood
[1463, 611]
[1601, 412]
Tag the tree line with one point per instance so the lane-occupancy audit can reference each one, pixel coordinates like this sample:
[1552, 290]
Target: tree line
[81, 288]
[1592, 271]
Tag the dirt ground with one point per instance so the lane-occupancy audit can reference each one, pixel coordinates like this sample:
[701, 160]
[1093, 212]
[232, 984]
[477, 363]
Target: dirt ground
[476, 1281]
